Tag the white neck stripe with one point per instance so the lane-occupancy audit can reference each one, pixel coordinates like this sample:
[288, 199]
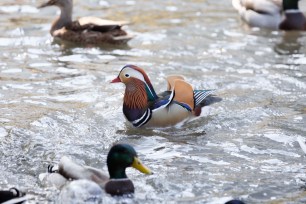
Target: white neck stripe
[142, 117]
[292, 11]
[121, 179]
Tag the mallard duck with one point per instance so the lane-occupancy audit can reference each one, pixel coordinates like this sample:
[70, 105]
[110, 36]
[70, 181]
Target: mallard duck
[120, 157]
[143, 107]
[86, 30]
[268, 14]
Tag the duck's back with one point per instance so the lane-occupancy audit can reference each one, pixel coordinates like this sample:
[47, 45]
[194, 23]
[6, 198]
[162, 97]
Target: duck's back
[92, 30]
[71, 170]
[259, 13]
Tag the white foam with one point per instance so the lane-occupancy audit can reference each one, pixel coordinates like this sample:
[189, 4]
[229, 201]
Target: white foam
[9, 71]
[206, 160]
[3, 132]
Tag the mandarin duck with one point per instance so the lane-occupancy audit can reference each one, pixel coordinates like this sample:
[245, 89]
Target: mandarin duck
[85, 30]
[268, 14]
[143, 107]
[120, 157]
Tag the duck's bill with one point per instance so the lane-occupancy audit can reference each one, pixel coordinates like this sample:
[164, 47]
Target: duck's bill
[140, 167]
[48, 3]
[116, 80]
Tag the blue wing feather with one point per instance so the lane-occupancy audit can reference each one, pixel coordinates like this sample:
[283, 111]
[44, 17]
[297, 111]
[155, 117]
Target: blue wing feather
[183, 105]
[163, 102]
[166, 100]
[160, 103]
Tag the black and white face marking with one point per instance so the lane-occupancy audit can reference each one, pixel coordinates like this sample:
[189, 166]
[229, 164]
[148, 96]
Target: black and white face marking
[128, 72]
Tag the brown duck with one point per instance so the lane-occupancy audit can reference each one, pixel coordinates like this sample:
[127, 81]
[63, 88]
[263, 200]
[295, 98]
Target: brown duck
[144, 108]
[86, 30]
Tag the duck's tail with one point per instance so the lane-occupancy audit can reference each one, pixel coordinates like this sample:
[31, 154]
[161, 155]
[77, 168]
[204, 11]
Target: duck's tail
[201, 95]
[204, 98]
[237, 5]
[123, 38]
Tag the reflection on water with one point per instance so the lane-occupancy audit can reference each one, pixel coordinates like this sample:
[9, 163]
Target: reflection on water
[290, 43]
[56, 100]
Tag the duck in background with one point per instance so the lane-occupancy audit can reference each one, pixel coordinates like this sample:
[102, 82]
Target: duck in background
[144, 108]
[13, 195]
[120, 157]
[86, 30]
[268, 14]
[234, 202]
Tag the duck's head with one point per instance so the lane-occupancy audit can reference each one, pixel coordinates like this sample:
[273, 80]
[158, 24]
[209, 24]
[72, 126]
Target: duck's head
[131, 72]
[58, 3]
[122, 156]
[132, 75]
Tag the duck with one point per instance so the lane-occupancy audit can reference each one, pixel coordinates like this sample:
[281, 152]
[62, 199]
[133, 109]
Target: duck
[142, 107]
[120, 157]
[235, 201]
[86, 30]
[268, 14]
[13, 195]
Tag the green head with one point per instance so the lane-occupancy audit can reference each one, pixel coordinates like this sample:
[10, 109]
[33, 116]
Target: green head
[122, 156]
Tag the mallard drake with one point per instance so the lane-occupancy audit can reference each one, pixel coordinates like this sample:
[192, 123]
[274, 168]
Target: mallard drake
[143, 107]
[268, 14]
[86, 30]
[120, 157]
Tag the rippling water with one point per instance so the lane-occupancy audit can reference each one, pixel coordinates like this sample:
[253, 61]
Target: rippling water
[57, 100]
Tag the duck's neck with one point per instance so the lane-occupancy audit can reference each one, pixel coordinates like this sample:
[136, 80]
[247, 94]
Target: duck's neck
[136, 104]
[290, 5]
[116, 172]
[294, 18]
[118, 187]
[135, 96]
[64, 19]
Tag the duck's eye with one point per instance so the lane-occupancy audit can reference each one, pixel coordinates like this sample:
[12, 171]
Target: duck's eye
[127, 75]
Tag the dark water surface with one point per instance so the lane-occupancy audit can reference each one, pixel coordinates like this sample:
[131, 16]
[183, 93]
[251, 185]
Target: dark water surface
[57, 100]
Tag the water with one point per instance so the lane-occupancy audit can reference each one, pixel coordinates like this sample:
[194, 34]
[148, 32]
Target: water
[57, 100]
